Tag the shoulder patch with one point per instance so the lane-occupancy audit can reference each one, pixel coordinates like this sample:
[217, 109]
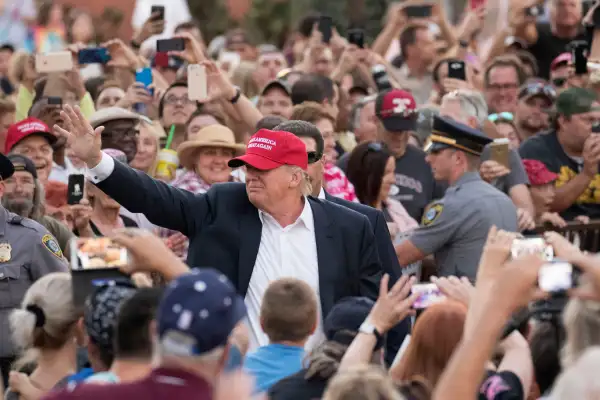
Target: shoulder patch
[432, 212]
[52, 245]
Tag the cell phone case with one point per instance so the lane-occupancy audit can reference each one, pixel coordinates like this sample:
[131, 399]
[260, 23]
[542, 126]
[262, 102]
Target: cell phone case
[197, 82]
[54, 62]
[499, 153]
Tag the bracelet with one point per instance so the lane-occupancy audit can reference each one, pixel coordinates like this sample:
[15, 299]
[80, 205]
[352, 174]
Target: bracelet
[135, 45]
[463, 43]
[238, 94]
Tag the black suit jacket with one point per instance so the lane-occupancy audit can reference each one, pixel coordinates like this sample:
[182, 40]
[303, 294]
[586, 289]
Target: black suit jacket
[385, 247]
[225, 231]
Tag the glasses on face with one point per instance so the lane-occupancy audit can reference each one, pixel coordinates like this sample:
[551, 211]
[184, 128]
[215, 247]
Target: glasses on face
[559, 82]
[503, 116]
[313, 156]
[375, 146]
[122, 132]
[538, 88]
[184, 100]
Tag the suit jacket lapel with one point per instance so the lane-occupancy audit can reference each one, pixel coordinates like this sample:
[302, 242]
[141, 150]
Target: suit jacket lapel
[250, 234]
[325, 254]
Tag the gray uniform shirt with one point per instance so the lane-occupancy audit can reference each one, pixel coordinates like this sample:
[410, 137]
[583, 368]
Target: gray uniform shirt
[27, 252]
[454, 228]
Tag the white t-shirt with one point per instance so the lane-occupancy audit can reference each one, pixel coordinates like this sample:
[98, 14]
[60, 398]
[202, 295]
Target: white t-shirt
[176, 12]
[12, 29]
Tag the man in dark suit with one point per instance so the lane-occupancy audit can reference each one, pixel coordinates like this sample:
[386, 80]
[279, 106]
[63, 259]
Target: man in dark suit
[253, 233]
[387, 254]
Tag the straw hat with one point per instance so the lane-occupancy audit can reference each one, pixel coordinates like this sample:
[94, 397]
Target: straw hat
[210, 136]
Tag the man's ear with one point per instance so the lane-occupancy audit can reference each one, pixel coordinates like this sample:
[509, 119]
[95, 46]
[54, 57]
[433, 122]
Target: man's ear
[2, 188]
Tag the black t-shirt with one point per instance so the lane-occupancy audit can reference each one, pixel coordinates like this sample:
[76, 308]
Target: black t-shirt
[548, 47]
[503, 385]
[297, 388]
[547, 149]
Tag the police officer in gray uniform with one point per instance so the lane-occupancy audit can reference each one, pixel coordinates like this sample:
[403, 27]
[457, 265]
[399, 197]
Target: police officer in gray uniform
[27, 252]
[454, 228]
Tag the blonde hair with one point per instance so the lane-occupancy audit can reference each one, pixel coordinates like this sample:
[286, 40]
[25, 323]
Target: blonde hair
[579, 381]
[52, 294]
[365, 382]
[18, 63]
[156, 132]
[243, 77]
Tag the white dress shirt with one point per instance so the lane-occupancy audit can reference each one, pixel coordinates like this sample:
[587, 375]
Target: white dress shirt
[283, 252]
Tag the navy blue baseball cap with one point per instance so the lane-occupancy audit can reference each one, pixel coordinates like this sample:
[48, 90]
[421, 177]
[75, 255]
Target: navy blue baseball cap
[345, 318]
[198, 312]
[447, 133]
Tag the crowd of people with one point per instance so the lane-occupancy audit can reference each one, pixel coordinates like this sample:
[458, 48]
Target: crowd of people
[339, 218]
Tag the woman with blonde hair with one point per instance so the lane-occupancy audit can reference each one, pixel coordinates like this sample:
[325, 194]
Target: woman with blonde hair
[364, 382]
[581, 319]
[148, 145]
[45, 330]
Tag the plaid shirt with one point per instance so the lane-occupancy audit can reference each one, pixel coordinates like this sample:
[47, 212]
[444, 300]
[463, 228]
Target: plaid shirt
[337, 184]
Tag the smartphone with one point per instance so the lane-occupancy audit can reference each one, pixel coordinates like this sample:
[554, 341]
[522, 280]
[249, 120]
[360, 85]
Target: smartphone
[144, 75]
[596, 128]
[161, 59]
[166, 45]
[197, 82]
[596, 17]
[381, 78]
[556, 277]
[326, 28]
[535, 11]
[54, 101]
[429, 294]
[531, 245]
[75, 188]
[579, 54]
[456, 70]
[94, 55]
[97, 253]
[476, 4]
[356, 37]
[54, 62]
[418, 11]
[160, 10]
[499, 152]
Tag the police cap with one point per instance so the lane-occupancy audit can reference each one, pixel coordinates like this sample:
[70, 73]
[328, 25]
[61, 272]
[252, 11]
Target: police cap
[447, 133]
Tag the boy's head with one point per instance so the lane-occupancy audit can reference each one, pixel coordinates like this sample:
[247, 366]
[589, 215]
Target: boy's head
[289, 311]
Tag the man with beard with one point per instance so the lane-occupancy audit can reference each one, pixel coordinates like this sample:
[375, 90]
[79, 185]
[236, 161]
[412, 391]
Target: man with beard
[27, 252]
[24, 196]
[531, 116]
[121, 129]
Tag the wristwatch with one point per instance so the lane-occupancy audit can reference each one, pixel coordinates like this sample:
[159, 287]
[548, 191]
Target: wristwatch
[463, 43]
[238, 93]
[369, 329]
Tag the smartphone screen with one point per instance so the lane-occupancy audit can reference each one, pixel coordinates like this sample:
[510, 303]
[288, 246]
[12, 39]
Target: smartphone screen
[499, 152]
[556, 277]
[144, 75]
[96, 55]
[418, 11]
[95, 253]
[429, 294]
[54, 101]
[456, 70]
[356, 37]
[531, 246]
[579, 53]
[75, 188]
[160, 10]
[166, 45]
[325, 27]
[197, 83]
[61, 61]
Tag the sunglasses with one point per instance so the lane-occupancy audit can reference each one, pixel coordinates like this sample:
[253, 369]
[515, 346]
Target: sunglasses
[537, 88]
[503, 116]
[313, 156]
[559, 82]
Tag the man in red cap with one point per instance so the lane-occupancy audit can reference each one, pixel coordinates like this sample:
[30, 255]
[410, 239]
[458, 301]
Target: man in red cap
[33, 139]
[252, 233]
[415, 185]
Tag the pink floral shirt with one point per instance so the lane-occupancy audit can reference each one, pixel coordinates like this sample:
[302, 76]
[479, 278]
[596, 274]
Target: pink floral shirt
[337, 184]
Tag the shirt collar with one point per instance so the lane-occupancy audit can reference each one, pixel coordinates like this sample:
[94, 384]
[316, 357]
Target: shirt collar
[306, 217]
[322, 194]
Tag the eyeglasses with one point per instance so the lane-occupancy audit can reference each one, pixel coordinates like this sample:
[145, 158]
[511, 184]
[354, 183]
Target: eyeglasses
[503, 116]
[313, 156]
[183, 100]
[375, 146]
[559, 82]
[538, 88]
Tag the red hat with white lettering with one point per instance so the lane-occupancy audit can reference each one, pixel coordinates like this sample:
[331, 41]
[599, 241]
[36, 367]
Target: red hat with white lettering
[268, 150]
[396, 109]
[27, 127]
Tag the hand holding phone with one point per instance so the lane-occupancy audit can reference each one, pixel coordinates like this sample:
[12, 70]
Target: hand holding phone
[429, 294]
[579, 55]
[357, 37]
[197, 82]
[532, 246]
[61, 61]
[75, 188]
[159, 11]
[556, 277]
[166, 45]
[94, 55]
[326, 28]
[499, 152]
[423, 11]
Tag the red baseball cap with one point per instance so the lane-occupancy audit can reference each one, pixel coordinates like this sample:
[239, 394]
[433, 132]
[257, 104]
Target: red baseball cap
[27, 127]
[397, 110]
[560, 60]
[538, 173]
[268, 150]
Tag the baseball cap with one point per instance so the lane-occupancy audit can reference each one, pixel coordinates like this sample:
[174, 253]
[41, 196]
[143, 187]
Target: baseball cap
[22, 163]
[27, 127]
[396, 110]
[268, 150]
[276, 84]
[576, 101]
[101, 309]
[198, 312]
[538, 173]
[537, 89]
[345, 318]
[561, 60]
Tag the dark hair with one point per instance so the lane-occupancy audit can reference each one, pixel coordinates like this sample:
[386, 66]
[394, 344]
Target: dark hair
[304, 129]
[94, 86]
[408, 37]
[312, 87]
[270, 122]
[504, 61]
[189, 25]
[44, 11]
[527, 58]
[7, 47]
[438, 65]
[305, 25]
[545, 342]
[366, 166]
[132, 330]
